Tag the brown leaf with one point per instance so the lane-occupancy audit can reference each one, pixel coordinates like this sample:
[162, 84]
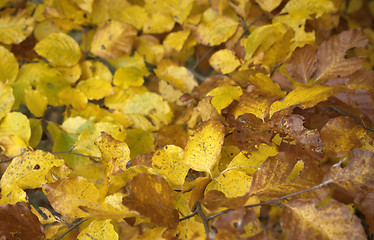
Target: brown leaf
[303, 220]
[366, 206]
[198, 191]
[17, 222]
[171, 134]
[353, 178]
[295, 171]
[331, 55]
[237, 224]
[301, 66]
[340, 135]
[215, 199]
[150, 195]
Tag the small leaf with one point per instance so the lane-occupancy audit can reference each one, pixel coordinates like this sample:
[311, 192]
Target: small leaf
[6, 99]
[223, 96]
[8, 66]
[36, 102]
[98, 229]
[113, 40]
[332, 62]
[150, 195]
[224, 61]
[175, 40]
[303, 220]
[17, 222]
[95, 88]
[168, 161]
[18, 124]
[217, 31]
[204, 146]
[59, 49]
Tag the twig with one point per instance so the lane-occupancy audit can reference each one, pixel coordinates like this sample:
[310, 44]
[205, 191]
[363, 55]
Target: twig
[354, 119]
[187, 217]
[246, 29]
[71, 228]
[203, 57]
[203, 217]
[274, 201]
[11, 158]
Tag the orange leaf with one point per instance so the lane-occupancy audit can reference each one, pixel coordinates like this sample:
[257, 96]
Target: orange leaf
[150, 195]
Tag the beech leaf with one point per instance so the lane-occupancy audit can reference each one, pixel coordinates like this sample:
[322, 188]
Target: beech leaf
[98, 229]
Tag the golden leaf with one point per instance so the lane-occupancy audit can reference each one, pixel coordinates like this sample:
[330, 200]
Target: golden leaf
[95, 88]
[98, 229]
[224, 61]
[223, 96]
[36, 102]
[204, 146]
[6, 99]
[8, 66]
[15, 29]
[59, 49]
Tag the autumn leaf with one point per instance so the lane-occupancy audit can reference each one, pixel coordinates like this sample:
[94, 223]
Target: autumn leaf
[223, 96]
[15, 28]
[8, 66]
[17, 222]
[204, 145]
[150, 196]
[224, 61]
[59, 49]
[98, 229]
[331, 55]
[301, 218]
[301, 66]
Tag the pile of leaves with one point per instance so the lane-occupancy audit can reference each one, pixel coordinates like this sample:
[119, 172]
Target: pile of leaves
[186, 119]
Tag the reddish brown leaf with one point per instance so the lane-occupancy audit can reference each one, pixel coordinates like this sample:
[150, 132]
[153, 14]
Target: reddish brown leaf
[301, 66]
[17, 222]
[340, 135]
[353, 178]
[367, 207]
[198, 191]
[331, 55]
[150, 195]
[303, 220]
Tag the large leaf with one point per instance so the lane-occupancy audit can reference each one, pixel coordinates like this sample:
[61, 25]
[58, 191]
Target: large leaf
[301, 66]
[303, 219]
[332, 62]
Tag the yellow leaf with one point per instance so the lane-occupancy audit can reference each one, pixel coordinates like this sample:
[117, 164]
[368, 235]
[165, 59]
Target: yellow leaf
[68, 196]
[158, 23]
[217, 31]
[6, 99]
[168, 161]
[232, 183]
[113, 40]
[30, 170]
[191, 229]
[179, 9]
[95, 68]
[59, 49]
[71, 74]
[95, 88]
[250, 163]
[268, 5]
[304, 97]
[266, 86]
[130, 76]
[134, 15]
[175, 40]
[204, 146]
[12, 194]
[86, 140]
[150, 47]
[15, 29]
[113, 151]
[85, 5]
[264, 37]
[305, 8]
[36, 132]
[148, 105]
[224, 61]
[98, 229]
[73, 96]
[18, 124]
[12, 145]
[139, 141]
[36, 102]
[223, 96]
[179, 76]
[8, 66]
[254, 104]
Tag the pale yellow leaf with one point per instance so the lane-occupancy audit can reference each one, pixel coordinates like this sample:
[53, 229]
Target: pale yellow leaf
[59, 49]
